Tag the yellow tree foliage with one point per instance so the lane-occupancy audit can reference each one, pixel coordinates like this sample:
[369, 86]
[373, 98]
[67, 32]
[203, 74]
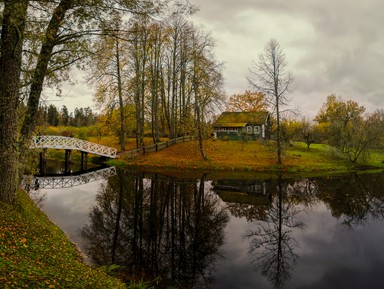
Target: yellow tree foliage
[247, 102]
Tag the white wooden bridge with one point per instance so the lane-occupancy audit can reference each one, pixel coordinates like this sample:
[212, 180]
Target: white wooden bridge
[59, 182]
[69, 143]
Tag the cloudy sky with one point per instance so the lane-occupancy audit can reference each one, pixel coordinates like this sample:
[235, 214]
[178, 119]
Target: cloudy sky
[331, 46]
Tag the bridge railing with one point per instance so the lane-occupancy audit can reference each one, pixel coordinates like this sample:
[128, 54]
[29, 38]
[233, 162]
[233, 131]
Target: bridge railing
[58, 182]
[62, 142]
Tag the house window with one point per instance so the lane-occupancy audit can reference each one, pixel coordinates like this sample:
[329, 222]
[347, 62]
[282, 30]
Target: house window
[249, 129]
[256, 129]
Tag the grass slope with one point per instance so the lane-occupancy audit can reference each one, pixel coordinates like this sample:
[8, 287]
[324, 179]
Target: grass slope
[34, 253]
[249, 156]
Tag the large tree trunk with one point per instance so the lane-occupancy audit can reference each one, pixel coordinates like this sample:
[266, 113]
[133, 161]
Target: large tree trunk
[50, 41]
[13, 24]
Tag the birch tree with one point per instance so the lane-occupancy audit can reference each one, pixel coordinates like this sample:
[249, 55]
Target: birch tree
[270, 76]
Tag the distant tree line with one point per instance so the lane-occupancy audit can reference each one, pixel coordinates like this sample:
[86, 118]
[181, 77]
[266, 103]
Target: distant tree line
[51, 115]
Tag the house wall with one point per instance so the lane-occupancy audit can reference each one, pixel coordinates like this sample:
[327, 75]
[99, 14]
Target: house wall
[245, 133]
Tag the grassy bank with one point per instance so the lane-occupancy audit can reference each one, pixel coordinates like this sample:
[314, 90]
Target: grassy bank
[34, 253]
[251, 156]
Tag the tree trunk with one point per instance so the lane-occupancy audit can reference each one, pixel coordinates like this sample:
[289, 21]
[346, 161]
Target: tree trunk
[50, 41]
[13, 24]
[120, 92]
[278, 132]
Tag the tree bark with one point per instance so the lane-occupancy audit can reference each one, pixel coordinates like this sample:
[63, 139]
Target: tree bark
[49, 42]
[121, 103]
[13, 24]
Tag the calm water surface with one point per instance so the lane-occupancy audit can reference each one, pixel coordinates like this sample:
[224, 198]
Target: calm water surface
[267, 232]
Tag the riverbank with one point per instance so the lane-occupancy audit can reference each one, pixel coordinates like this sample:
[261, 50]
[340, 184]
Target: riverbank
[35, 253]
[234, 156]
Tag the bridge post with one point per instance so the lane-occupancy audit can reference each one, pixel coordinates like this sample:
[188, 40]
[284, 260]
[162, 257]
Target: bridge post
[42, 162]
[84, 161]
[67, 169]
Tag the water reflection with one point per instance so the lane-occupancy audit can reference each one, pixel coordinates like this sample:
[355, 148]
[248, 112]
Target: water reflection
[358, 198]
[277, 215]
[264, 232]
[271, 245]
[164, 228]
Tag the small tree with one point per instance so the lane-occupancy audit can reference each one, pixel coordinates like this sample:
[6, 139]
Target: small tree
[270, 76]
[309, 132]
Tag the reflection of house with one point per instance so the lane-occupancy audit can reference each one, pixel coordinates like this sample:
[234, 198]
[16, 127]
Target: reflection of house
[242, 125]
[245, 186]
[242, 191]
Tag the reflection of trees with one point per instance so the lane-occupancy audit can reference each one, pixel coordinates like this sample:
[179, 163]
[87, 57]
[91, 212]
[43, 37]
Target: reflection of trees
[356, 197]
[249, 211]
[172, 229]
[272, 244]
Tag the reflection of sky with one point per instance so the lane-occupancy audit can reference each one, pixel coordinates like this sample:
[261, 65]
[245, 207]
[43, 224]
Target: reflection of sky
[335, 256]
[235, 270]
[69, 208]
[330, 255]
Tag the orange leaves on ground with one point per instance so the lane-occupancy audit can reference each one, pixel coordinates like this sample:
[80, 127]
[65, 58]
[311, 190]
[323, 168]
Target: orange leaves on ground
[229, 155]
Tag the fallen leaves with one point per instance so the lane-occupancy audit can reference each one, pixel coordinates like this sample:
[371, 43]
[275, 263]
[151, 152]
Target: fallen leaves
[34, 253]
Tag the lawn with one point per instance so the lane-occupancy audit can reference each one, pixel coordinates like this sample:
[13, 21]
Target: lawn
[250, 156]
[34, 253]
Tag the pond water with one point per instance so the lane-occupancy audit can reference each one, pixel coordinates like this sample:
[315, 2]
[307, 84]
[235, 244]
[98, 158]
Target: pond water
[264, 232]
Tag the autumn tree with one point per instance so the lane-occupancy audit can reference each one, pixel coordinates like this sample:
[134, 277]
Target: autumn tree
[366, 133]
[270, 76]
[246, 102]
[348, 129]
[56, 37]
[206, 82]
[108, 63]
[309, 132]
[12, 35]
[340, 117]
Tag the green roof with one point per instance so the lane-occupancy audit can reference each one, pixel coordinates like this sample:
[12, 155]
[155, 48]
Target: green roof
[230, 124]
[237, 119]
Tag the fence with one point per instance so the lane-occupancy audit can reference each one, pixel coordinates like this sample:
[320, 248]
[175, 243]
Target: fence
[156, 147]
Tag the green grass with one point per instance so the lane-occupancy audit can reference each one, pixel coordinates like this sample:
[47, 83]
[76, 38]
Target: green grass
[34, 253]
[253, 156]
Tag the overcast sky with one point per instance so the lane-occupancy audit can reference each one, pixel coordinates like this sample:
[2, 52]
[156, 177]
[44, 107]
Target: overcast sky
[331, 47]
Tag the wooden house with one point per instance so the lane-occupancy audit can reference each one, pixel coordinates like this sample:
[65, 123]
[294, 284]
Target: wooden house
[242, 125]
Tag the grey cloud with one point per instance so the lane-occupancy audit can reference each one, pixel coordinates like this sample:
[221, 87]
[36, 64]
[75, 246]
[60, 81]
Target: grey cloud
[332, 46]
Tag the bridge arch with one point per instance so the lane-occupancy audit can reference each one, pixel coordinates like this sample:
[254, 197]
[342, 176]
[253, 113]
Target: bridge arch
[70, 143]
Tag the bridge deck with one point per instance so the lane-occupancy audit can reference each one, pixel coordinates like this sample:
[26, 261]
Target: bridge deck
[69, 143]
